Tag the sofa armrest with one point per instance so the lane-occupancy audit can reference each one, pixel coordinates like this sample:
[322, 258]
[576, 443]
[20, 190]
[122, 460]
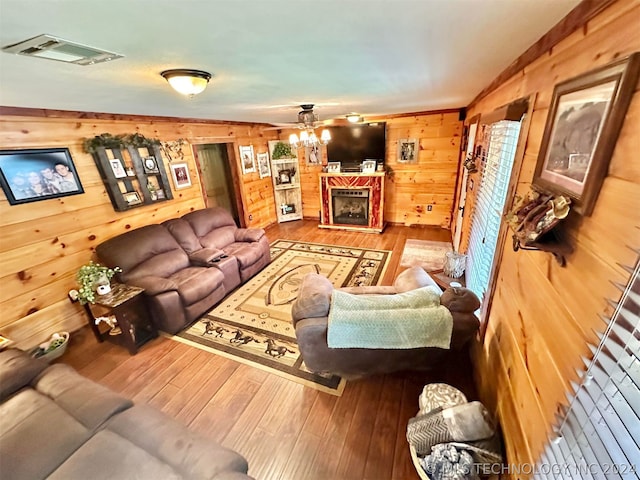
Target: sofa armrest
[249, 234]
[314, 298]
[460, 299]
[461, 302]
[412, 278]
[205, 257]
[153, 285]
[17, 370]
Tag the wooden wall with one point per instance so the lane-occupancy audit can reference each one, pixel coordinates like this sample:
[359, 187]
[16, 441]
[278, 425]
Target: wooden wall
[413, 187]
[542, 315]
[42, 244]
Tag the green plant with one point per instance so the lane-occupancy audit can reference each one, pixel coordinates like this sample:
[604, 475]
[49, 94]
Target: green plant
[282, 150]
[89, 276]
[108, 141]
[137, 140]
[105, 140]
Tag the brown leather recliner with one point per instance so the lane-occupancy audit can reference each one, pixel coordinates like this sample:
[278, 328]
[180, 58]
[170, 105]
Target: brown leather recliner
[177, 291]
[310, 313]
[187, 265]
[215, 230]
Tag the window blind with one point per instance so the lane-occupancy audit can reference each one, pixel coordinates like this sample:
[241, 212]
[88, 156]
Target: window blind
[599, 436]
[495, 165]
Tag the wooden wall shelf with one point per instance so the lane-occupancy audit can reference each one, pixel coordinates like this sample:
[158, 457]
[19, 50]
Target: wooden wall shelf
[133, 181]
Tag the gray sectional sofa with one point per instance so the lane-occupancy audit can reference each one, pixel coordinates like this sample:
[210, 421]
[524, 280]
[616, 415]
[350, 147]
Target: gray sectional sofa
[56, 424]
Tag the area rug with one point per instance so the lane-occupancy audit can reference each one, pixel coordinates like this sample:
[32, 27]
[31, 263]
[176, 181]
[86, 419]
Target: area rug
[253, 324]
[425, 253]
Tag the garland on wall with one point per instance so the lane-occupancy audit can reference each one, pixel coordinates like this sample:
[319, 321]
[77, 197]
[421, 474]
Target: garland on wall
[108, 141]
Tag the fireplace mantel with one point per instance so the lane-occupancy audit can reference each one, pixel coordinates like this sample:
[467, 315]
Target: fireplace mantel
[367, 187]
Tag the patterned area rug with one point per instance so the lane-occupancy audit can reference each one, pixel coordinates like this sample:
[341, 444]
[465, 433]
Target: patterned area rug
[425, 253]
[253, 324]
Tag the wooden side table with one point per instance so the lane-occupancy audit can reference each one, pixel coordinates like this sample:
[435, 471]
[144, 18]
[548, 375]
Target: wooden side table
[445, 282]
[128, 306]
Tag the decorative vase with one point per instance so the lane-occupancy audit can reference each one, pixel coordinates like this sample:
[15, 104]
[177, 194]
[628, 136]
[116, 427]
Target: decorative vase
[454, 264]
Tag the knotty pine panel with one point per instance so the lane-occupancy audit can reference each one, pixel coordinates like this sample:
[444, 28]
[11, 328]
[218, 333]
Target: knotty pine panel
[44, 243]
[539, 306]
[434, 173]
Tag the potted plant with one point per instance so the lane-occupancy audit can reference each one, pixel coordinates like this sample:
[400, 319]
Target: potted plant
[152, 191]
[282, 150]
[90, 277]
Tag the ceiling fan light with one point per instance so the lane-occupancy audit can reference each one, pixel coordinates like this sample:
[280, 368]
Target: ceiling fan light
[313, 139]
[353, 118]
[304, 136]
[187, 82]
[293, 140]
[325, 136]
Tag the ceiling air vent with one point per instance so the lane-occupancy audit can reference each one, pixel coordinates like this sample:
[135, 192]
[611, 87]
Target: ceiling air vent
[54, 48]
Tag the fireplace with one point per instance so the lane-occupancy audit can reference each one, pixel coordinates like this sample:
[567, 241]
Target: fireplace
[350, 206]
[352, 201]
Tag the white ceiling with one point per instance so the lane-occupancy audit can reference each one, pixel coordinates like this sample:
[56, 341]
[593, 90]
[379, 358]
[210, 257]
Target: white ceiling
[269, 56]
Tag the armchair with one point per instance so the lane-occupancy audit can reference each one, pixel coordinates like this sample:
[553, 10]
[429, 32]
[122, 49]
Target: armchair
[310, 314]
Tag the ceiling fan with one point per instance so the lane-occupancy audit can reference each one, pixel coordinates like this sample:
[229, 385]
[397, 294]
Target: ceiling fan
[307, 119]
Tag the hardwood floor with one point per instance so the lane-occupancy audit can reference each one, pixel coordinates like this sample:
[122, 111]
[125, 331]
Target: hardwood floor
[285, 430]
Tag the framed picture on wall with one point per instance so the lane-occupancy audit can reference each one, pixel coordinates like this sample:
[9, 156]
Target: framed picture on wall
[150, 165]
[264, 168]
[38, 174]
[132, 198]
[246, 159]
[313, 155]
[585, 118]
[180, 174]
[117, 168]
[408, 150]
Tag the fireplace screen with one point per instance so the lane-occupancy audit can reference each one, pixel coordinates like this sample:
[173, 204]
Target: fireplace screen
[351, 206]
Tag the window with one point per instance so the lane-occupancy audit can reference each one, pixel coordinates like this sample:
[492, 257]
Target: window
[496, 165]
[599, 436]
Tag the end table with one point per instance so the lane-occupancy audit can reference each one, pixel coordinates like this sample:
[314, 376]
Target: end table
[445, 282]
[127, 304]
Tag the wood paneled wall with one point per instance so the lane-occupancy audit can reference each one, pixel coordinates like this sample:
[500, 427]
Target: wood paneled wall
[543, 315]
[412, 187]
[42, 244]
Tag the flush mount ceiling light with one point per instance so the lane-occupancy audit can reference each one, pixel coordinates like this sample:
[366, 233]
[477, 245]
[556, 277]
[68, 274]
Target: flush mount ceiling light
[187, 82]
[55, 48]
[353, 118]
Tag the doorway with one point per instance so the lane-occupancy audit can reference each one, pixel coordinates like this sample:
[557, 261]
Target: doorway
[217, 177]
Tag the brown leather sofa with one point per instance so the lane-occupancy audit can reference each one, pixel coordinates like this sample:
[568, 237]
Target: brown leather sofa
[187, 265]
[310, 313]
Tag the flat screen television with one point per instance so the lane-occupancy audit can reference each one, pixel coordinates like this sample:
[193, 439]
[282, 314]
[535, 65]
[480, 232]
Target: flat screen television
[351, 145]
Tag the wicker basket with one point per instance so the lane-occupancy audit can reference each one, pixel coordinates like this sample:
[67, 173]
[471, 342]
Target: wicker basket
[416, 463]
[53, 354]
